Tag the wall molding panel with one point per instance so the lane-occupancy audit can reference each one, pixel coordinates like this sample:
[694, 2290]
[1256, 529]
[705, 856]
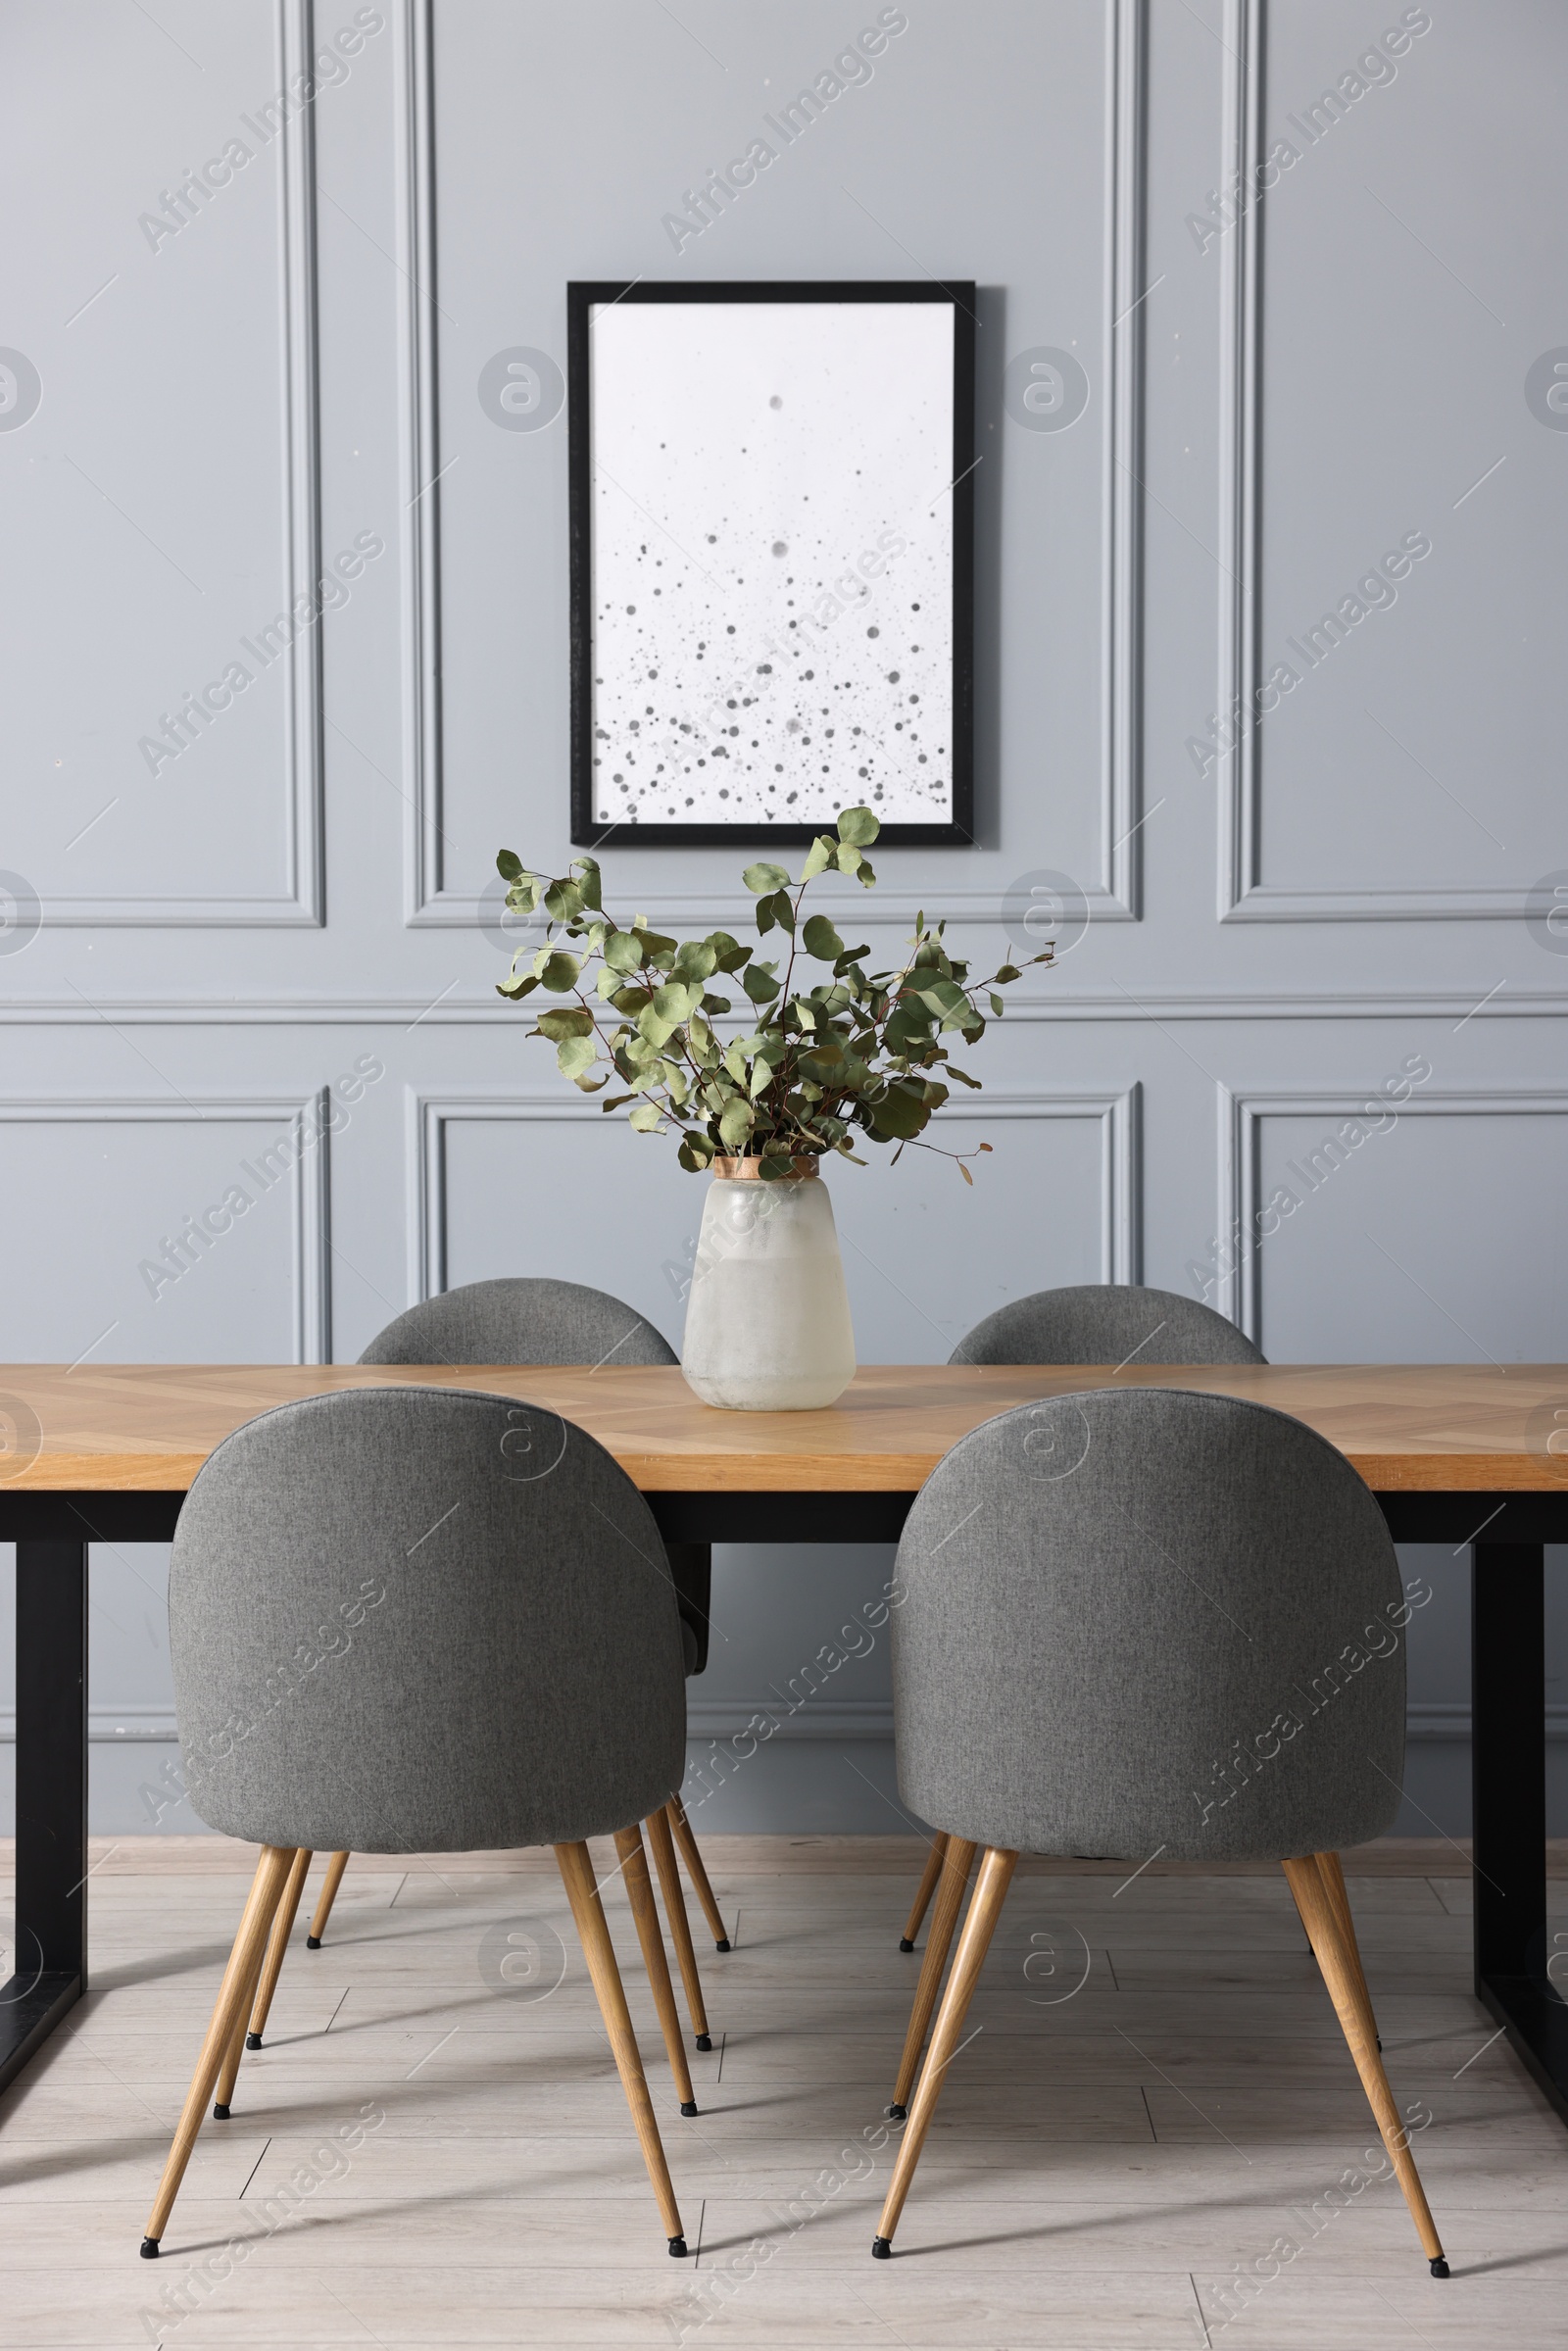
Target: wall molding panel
[1240, 1117]
[420, 467]
[1117, 894]
[301, 418]
[1120, 1117]
[1114, 894]
[1239, 435]
[311, 1239]
[1120, 1151]
[819, 1718]
[301, 903]
[1244, 894]
[1436, 1721]
[113, 1726]
[729, 1718]
[1150, 1004]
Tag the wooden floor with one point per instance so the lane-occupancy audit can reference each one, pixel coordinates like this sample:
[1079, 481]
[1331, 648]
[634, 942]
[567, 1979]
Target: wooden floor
[1157, 2105]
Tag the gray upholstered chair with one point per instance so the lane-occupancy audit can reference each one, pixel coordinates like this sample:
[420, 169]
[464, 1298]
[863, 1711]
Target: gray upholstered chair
[410, 1620]
[1143, 1622]
[1095, 1322]
[524, 1319]
[1106, 1322]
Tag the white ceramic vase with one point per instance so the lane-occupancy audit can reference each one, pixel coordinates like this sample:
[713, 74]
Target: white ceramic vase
[767, 1317]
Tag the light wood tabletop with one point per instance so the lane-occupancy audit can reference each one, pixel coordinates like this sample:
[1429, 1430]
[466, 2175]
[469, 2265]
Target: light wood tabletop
[148, 1428]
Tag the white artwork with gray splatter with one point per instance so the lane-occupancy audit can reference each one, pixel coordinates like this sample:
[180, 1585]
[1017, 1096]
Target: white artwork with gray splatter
[773, 561]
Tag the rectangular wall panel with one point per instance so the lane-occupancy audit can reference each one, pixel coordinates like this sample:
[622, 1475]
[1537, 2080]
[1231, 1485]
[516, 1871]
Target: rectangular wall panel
[485, 549]
[197, 1231]
[181, 1232]
[1367, 1243]
[504, 1182]
[1363, 773]
[166, 752]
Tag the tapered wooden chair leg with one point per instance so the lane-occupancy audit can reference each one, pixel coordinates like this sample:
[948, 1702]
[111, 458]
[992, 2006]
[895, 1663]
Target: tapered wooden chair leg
[924, 1891]
[228, 2073]
[230, 2011]
[680, 1926]
[582, 1891]
[324, 1908]
[282, 1928]
[958, 1861]
[687, 1843]
[1333, 1875]
[1347, 1990]
[645, 1914]
[990, 1892]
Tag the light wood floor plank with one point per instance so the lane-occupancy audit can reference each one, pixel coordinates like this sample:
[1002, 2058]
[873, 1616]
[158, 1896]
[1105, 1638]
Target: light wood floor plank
[1102, 2167]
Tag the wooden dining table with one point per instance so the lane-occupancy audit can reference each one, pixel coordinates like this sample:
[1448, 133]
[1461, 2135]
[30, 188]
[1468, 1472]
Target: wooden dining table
[1472, 1456]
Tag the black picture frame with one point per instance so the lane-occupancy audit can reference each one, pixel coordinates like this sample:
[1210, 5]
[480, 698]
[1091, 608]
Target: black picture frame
[582, 299]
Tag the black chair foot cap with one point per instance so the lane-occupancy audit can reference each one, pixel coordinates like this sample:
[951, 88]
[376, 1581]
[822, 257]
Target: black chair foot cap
[219, 2114]
[690, 2108]
[253, 2040]
[149, 2248]
[677, 2248]
[882, 2248]
[312, 1943]
[896, 2113]
[722, 1947]
[1440, 2268]
[904, 1943]
[704, 2041]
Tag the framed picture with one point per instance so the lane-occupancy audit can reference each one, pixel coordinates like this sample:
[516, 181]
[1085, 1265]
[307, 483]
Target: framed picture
[773, 528]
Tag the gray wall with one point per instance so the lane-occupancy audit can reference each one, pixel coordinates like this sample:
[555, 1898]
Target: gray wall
[1282, 915]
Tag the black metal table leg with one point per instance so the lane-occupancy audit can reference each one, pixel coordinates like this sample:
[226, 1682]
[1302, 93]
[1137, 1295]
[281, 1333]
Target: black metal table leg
[51, 1955]
[691, 1565]
[1508, 1767]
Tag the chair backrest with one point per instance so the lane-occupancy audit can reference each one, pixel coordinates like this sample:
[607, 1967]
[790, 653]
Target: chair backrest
[412, 1619]
[521, 1320]
[1106, 1322]
[527, 1320]
[1144, 1620]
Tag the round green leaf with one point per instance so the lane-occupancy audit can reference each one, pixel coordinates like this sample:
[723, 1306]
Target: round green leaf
[697, 961]
[654, 1031]
[678, 999]
[624, 952]
[900, 1112]
[566, 1020]
[857, 826]
[729, 952]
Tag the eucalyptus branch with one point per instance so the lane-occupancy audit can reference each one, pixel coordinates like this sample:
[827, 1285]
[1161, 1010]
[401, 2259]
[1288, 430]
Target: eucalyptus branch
[857, 1055]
